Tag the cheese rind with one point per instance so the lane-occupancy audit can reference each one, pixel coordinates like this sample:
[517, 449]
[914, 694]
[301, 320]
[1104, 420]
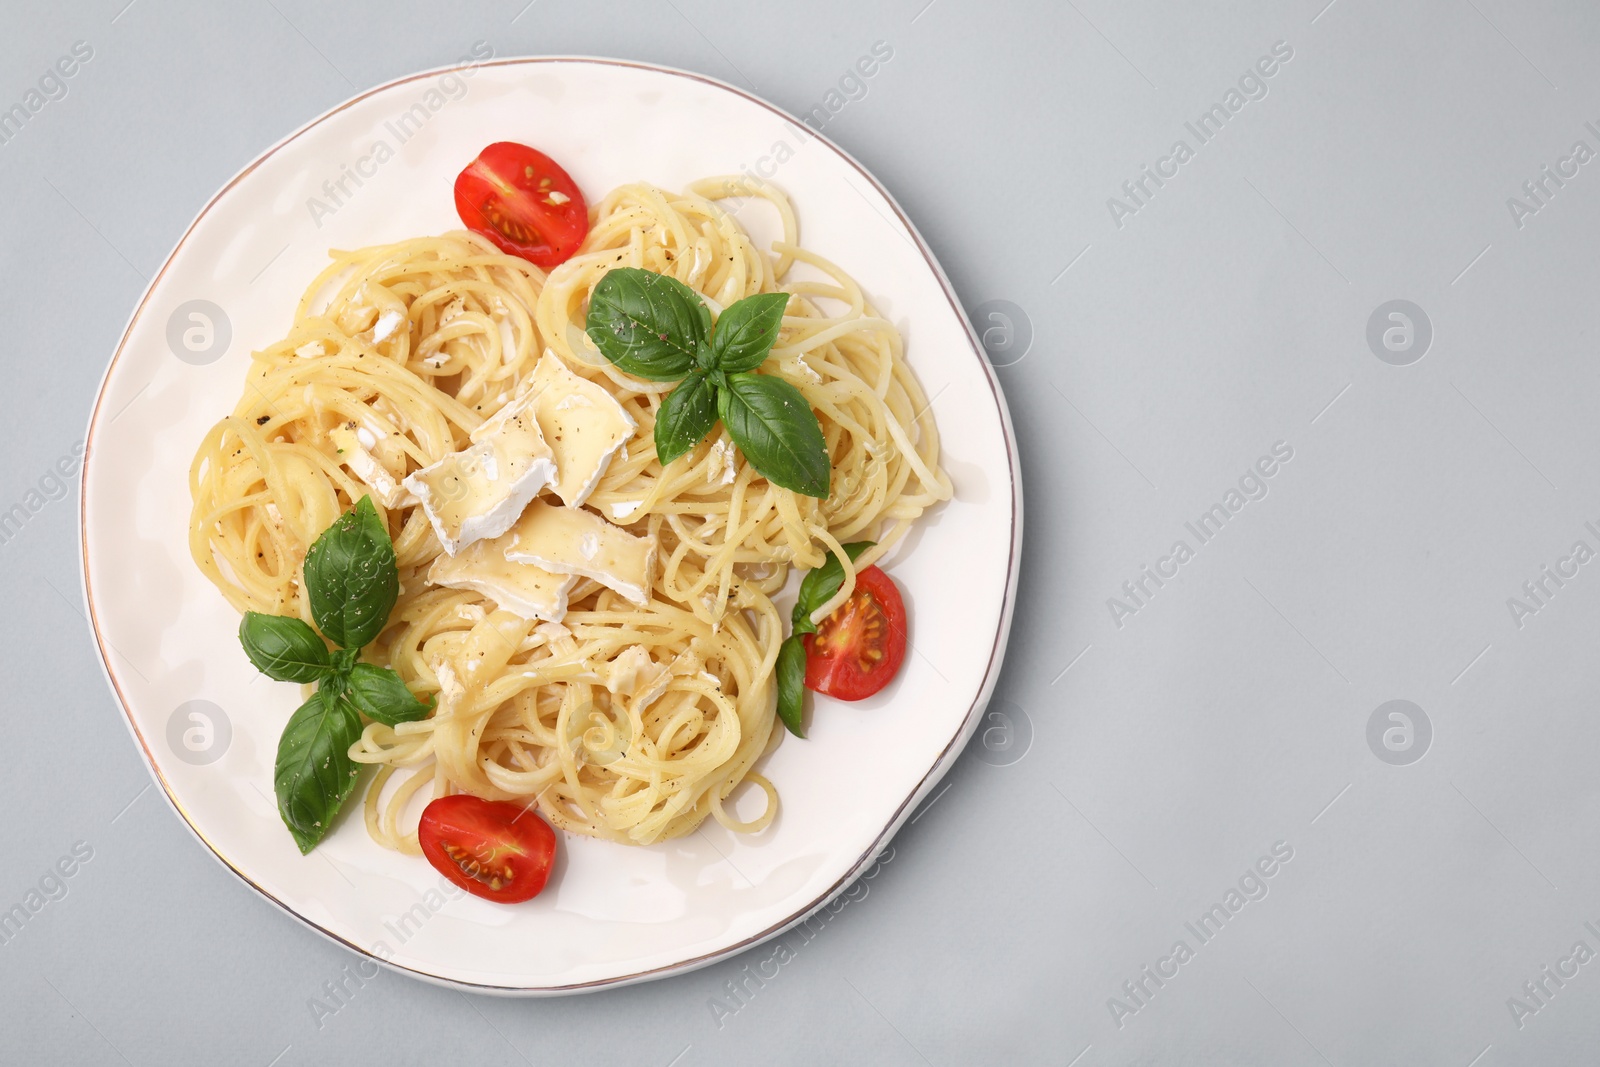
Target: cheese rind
[520, 588]
[584, 424]
[477, 493]
[575, 541]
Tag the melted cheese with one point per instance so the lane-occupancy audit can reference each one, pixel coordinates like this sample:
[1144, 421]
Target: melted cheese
[575, 541]
[558, 637]
[478, 493]
[353, 444]
[584, 424]
[720, 462]
[386, 325]
[634, 673]
[520, 588]
[450, 688]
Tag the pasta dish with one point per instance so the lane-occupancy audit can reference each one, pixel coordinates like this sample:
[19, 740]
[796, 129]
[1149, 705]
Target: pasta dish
[586, 629]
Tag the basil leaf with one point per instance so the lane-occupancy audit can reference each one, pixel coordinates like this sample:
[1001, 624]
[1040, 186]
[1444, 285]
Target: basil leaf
[816, 589]
[686, 416]
[314, 773]
[777, 431]
[378, 693]
[819, 585]
[792, 684]
[283, 648]
[648, 324]
[747, 331]
[350, 577]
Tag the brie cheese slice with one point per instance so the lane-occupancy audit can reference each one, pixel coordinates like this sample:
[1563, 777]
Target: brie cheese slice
[584, 424]
[575, 541]
[520, 588]
[477, 493]
[353, 453]
[634, 674]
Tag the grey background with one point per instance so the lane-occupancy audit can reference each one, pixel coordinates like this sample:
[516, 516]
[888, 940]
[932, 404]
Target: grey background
[1138, 771]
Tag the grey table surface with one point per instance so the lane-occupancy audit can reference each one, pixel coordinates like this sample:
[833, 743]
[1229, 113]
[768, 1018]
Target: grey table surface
[1194, 829]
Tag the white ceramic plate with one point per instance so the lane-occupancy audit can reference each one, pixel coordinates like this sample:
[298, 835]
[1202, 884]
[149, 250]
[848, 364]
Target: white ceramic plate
[208, 723]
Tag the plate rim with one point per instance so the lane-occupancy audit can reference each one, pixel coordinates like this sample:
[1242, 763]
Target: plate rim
[940, 767]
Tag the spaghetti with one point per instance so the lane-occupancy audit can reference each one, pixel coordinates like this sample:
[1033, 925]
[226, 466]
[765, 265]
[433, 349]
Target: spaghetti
[625, 722]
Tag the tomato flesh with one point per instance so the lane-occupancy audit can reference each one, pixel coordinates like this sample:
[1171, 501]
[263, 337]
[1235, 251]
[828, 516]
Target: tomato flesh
[858, 649]
[523, 201]
[491, 848]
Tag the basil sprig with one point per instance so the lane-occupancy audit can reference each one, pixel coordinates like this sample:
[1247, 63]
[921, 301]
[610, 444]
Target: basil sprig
[816, 589]
[655, 327]
[351, 583]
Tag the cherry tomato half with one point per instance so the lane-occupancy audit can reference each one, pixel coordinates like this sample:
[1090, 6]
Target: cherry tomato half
[858, 649]
[523, 201]
[491, 848]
